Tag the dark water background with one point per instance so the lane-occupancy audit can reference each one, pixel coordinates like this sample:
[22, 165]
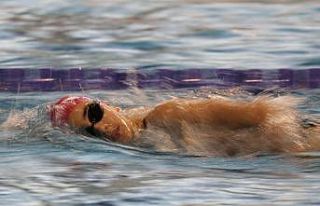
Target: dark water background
[42, 166]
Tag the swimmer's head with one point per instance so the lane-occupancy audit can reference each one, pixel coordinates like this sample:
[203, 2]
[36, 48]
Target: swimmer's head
[61, 110]
[92, 117]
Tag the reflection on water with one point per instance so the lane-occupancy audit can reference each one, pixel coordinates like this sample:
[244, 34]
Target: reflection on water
[201, 33]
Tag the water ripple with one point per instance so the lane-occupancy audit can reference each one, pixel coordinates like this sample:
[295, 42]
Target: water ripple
[135, 34]
[48, 167]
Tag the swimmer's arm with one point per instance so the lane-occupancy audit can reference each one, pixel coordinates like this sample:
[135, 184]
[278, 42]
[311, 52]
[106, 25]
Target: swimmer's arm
[224, 113]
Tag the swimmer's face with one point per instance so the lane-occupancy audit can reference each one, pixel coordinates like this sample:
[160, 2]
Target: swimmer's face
[99, 119]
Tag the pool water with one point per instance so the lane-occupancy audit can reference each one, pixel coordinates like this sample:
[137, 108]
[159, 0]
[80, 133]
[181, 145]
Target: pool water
[40, 165]
[179, 33]
[46, 166]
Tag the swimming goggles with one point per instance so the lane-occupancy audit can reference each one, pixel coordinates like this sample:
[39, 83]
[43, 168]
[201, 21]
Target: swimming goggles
[94, 113]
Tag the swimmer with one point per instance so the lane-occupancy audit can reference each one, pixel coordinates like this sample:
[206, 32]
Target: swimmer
[217, 126]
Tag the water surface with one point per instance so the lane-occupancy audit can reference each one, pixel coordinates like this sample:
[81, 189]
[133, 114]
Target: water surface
[43, 166]
[194, 33]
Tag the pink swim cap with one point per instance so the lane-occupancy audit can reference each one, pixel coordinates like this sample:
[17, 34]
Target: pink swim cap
[60, 111]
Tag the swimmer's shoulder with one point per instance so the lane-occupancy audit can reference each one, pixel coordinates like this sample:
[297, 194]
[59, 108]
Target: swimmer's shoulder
[170, 112]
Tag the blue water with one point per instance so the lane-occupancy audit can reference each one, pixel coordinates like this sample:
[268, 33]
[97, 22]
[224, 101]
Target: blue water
[193, 33]
[43, 166]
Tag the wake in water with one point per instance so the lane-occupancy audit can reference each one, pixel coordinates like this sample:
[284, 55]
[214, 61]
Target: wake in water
[30, 123]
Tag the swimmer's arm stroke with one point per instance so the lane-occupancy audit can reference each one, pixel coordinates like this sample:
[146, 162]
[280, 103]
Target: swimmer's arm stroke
[219, 113]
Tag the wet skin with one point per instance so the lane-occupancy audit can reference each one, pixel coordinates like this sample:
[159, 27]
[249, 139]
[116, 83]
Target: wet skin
[113, 125]
[230, 127]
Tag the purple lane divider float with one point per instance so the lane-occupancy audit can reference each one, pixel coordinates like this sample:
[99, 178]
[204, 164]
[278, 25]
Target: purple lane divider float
[77, 79]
